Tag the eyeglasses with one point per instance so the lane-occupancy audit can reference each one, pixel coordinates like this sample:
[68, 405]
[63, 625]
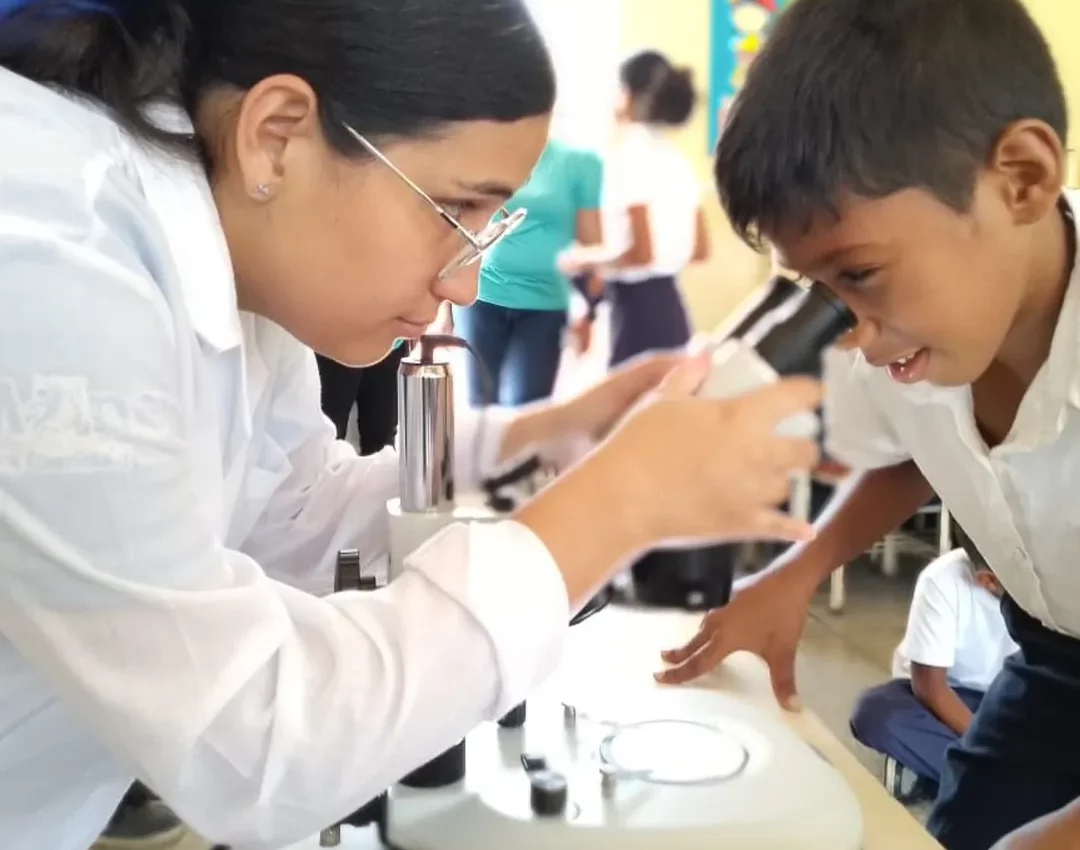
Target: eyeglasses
[477, 245]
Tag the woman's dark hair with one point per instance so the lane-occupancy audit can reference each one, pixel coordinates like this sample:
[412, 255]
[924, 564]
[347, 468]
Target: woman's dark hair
[660, 92]
[390, 68]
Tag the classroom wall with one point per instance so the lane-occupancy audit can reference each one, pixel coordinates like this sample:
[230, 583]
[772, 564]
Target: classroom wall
[1060, 20]
[681, 30]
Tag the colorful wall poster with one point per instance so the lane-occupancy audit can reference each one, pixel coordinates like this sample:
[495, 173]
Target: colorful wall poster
[738, 30]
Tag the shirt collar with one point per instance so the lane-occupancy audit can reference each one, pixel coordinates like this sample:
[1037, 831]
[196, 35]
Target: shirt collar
[1062, 372]
[178, 191]
[1056, 387]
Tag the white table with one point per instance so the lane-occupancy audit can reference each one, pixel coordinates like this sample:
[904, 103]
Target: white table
[623, 646]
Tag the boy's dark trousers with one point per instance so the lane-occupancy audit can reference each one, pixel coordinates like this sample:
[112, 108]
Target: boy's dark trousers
[1020, 759]
[890, 719]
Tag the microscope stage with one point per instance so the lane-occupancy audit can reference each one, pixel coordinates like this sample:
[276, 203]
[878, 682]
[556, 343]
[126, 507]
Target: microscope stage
[675, 768]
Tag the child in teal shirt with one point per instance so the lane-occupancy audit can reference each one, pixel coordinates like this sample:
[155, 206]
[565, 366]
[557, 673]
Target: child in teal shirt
[517, 322]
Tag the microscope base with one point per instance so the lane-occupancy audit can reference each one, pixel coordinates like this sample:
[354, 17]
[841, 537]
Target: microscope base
[662, 767]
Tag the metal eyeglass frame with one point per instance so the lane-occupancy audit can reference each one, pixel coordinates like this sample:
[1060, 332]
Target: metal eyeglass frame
[477, 244]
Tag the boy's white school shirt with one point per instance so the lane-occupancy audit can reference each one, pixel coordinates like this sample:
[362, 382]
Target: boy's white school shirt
[954, 624]
[171, 504]
[1019, 502]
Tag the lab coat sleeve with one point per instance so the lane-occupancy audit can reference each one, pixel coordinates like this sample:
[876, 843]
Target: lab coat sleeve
[333, 499]
[857, 432]
[259, 712]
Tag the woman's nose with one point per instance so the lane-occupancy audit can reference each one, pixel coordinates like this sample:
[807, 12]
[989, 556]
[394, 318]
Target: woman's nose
[460, 286]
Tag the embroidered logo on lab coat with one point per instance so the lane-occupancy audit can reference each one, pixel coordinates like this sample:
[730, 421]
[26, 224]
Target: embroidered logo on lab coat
[60, 425]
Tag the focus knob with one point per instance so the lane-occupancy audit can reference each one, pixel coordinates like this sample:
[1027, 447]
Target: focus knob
[350, 575]
[514, 718]
[548, 793]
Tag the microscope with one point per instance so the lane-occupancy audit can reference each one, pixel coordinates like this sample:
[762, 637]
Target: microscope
[683, 768]
[786, 328]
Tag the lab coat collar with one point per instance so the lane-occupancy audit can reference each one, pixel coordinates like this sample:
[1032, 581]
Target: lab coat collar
[178, 190]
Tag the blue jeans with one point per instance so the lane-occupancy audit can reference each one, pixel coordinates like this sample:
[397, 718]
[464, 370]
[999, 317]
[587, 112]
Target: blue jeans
[520, 348]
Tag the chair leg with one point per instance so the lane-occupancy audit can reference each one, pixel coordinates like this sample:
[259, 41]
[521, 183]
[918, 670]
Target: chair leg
[890, 557]
[837, 595]
[801, 496]
[944, 532]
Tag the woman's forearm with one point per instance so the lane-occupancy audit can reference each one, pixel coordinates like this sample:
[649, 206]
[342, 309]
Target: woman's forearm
[587, 544]
[860, 513]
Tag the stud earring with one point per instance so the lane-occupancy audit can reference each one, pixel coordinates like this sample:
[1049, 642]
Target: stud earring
[263, 190]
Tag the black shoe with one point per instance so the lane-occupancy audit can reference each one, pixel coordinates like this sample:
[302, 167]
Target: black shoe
[142, 821]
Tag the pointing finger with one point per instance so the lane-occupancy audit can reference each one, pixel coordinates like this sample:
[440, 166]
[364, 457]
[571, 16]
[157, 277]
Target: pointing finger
[701, 662]
[776, 525]
[677, 656]
[688, 376]
[778, 401]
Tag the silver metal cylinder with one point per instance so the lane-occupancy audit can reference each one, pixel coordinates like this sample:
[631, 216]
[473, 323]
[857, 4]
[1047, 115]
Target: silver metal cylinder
[425, 436]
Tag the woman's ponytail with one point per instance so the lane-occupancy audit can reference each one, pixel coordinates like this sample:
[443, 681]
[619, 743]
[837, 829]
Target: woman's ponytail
[122, 54]
[674, 101]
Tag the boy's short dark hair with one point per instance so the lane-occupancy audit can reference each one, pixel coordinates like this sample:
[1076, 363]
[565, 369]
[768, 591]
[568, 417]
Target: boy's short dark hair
[961, 539]
[870, 97]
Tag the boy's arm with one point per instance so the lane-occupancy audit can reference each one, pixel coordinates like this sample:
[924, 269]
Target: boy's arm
[931, 687]
[860, 513]
[767, 614]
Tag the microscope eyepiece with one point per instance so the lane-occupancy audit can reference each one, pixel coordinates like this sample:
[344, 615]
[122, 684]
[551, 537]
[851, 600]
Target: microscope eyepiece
[794, 346]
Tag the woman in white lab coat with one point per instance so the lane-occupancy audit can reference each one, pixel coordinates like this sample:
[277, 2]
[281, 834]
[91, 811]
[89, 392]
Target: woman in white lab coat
[193, 196]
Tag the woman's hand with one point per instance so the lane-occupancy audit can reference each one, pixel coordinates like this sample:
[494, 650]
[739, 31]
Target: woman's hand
[598, 409]
[563, 431]
[719, 462]
[677, 468]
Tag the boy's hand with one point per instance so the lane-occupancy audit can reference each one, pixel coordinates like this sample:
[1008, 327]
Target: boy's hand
[766, 617]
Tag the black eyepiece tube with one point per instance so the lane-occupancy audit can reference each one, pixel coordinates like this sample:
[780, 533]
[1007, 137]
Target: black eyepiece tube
[779, 290]
[794, 346]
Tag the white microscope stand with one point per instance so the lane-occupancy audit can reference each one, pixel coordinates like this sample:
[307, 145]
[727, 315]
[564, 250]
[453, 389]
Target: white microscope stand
[408, 531]
[672, 768]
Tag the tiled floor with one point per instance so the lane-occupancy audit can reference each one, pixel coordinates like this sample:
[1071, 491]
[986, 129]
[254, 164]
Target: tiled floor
[841, 654]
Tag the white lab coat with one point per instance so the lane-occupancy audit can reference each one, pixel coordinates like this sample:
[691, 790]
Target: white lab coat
[171, 503]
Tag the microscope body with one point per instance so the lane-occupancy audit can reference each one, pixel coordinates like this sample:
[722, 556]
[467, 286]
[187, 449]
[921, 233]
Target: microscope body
[428, 501]
[427, 504]
[783, 336]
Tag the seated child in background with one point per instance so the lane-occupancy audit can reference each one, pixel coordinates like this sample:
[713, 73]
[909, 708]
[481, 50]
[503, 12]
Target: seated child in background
[954, 646]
